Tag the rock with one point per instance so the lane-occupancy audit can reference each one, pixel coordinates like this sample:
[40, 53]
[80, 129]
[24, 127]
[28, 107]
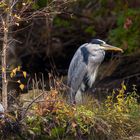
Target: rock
[1, 111]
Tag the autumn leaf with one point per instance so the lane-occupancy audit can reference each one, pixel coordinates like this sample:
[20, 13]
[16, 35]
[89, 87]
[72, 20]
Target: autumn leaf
[21, 86]
[11, 74]
[18, 68]
[19, 81]
[24, 74]
[74, 124]
[2, 4]
[3, 69]
[128, 23]
[17, 16]
[124, 87]
[14, 70]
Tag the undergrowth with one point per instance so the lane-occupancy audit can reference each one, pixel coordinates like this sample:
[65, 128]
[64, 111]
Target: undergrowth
[118, 117]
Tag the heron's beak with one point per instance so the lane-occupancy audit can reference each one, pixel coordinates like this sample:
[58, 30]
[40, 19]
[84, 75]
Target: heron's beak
[108, 47]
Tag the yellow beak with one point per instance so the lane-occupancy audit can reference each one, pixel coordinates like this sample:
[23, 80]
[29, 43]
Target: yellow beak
[108, 47]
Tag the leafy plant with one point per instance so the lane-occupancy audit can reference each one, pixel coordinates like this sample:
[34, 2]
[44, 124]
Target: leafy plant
[126, 35]
[116, 117]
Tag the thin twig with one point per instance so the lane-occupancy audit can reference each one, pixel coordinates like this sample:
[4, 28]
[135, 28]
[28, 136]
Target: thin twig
[31, 104]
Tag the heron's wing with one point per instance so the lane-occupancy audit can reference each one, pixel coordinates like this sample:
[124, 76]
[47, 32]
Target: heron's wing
[77, 69]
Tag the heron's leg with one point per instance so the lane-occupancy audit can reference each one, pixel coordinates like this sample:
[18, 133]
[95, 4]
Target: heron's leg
[79, 94]
[71, 97]
[79, 97]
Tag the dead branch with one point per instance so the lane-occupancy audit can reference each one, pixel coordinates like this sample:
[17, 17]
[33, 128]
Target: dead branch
[30, 104]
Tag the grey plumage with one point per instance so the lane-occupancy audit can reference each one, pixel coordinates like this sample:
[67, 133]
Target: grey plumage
[77, 70]
[84, 67]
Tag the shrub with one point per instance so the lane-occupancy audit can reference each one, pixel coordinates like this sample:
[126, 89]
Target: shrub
[117, 117]
[126, 35]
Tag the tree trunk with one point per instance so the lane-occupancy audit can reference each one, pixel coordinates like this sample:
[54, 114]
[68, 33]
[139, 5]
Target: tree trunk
[4, 77]
[5, 20]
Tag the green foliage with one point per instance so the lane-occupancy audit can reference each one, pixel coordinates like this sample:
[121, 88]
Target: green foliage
[2, 4]
[111, 20]
[35, 122]
[62, 23]
[40, 4]
[90, 30]
[126, 35]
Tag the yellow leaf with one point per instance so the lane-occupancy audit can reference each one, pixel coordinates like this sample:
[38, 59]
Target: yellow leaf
[21, 86]
[14, 70]
[11, 74]
[24, 74]
[17, 16]
[124, 87]
[3, 69]
[19, 81]
[18, 68]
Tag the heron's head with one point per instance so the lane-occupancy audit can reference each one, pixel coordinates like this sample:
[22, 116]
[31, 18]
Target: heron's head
[100, 44]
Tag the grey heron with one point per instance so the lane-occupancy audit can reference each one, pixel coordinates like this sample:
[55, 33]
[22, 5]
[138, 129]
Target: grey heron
[84, 66]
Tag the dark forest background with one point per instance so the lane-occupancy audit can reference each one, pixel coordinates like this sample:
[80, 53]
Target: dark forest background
[48, 44]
